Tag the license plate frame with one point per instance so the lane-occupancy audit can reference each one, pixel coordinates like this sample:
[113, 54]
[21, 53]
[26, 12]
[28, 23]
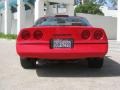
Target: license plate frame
[68, 43]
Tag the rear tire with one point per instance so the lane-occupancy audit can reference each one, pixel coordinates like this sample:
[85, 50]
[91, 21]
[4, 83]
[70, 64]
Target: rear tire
[28, 63]
[95, 62]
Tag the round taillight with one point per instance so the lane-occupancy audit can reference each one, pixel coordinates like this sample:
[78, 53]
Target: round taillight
[98, 34]
[37, 34]
[25, 34]
[85, 34]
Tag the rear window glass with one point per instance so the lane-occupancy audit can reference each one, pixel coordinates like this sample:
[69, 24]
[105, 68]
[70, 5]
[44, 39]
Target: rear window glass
[62, 21]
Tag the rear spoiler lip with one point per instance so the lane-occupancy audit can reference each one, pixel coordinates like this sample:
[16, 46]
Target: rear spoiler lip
[61, 15]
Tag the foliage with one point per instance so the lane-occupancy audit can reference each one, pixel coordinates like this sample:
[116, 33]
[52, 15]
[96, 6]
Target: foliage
[89, 8]
[8, 36]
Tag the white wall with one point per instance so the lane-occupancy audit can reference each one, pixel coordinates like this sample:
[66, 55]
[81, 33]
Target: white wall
[2, 22]
[29, 18]
[109, 24]
[13, 24]
[62, 1]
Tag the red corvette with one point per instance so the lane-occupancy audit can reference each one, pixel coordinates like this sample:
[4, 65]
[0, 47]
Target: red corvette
[62, 37]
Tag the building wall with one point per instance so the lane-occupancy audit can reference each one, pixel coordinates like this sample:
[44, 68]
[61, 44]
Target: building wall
[29, 18]
[14, 27]
[109, 24]
[13, 24]
[62, 1]
[2, 22]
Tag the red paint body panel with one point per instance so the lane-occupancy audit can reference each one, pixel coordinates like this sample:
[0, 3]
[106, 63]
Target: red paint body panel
[82, 48]
[79, 51]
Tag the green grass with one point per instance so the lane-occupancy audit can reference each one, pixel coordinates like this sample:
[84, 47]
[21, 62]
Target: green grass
[8, 36]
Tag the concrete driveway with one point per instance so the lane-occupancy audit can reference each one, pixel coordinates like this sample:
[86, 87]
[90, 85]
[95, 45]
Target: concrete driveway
[58, 76]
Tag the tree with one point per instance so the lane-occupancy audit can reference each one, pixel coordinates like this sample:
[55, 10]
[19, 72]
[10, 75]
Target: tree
[89, 8]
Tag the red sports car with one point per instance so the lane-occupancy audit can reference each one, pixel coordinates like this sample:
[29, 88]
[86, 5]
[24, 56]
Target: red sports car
[62, 37]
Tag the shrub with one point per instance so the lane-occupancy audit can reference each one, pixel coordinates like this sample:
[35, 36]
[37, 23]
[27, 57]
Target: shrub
[8, 36]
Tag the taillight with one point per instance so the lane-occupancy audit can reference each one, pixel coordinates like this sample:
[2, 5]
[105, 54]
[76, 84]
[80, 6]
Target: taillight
[85, 34]
[37, 34]
[98, 34]
[25, 34]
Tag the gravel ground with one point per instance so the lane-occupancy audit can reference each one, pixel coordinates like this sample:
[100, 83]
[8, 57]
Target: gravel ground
[68, 76]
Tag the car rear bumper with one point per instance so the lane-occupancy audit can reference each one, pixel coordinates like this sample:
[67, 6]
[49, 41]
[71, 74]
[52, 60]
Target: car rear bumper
[43, 51]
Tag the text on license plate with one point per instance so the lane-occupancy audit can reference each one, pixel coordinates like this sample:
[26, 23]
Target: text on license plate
[62, 43]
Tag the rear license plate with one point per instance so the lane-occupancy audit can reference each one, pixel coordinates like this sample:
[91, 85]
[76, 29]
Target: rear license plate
[62, 43]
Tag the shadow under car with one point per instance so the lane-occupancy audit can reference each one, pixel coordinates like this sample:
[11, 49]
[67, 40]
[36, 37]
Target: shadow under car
[109, 69]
